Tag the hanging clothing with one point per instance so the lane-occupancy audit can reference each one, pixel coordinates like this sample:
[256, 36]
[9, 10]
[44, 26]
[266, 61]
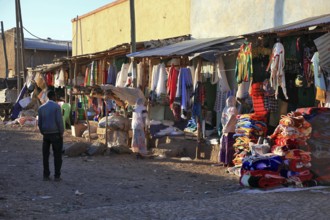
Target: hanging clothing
[171, 84]
[243, 90]
[140, 75]
[154, 77]
[112, 75]
[49, 79]
[244, 69]
[319, 81]
[276, 65]
[59, 79]
[184, 88]
[222, 82]
[161, 83]
[220, 101]
[258, 99]
[197, 75]
[93, 72]
[199, 99]
[122, 75]
[270, 103]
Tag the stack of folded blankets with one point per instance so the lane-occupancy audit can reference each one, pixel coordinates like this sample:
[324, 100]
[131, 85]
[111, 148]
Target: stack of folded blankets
[249, 128]
[281, 161]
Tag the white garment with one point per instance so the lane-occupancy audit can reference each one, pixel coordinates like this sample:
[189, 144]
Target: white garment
[161, 87]
[222, 82]
[56, 77]
[243, 90]
[122, 75]
[154, 77]
[197, 73]
[140, 73]
[59, 79]
[277, 75]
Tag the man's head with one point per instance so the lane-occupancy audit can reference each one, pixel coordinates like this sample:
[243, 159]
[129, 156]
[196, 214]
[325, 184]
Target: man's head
[51, 95]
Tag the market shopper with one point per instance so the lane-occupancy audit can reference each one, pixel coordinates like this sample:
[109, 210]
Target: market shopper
[228, 121]
[139, 118]
[50, 124]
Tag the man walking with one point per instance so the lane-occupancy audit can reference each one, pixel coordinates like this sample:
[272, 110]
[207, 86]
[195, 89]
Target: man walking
[50, 124]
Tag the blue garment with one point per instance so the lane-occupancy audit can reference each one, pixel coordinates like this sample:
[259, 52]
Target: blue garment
[17, 107]
[112, 75]
[186, 87]
[50, 118]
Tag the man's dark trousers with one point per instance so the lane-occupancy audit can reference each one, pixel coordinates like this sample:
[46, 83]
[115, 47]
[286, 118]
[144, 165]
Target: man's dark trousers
[56, 140]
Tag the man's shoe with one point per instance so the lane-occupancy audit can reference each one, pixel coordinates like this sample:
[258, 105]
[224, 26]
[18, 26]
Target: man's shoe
[57, 179]
[46, 178]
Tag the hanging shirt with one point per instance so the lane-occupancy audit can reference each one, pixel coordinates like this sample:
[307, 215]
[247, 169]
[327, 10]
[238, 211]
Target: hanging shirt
[243, 69]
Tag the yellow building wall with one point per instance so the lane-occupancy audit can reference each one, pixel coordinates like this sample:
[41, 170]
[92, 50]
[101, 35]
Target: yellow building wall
[109, 25]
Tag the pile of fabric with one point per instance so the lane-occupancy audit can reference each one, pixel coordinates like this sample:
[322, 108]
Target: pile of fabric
[292, 132]
[284, 162]
[249, 128]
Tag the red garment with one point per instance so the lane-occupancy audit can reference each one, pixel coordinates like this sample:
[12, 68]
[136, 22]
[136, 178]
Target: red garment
[171, 84]
[49, 79]
[105, 76]
[258, 99]
[86, 77]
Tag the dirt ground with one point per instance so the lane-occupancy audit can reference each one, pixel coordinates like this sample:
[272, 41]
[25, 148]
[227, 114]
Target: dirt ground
[123, 187]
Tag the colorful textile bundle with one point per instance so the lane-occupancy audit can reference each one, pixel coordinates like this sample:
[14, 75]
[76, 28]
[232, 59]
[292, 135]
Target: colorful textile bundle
[265, 171]
[249, 128]
[292, 132]
[288, 163]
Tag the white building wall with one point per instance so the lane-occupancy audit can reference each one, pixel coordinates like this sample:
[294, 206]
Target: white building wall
[219, 18]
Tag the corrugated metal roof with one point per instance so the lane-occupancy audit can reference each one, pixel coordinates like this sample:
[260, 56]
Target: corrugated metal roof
[305, 23]
[184, 48]
[50, 45]
[323, 46]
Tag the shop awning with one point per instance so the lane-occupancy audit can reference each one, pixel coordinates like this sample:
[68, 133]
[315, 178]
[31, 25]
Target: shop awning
[302, 24]
[121, 95]
[48, 67]
[187, 47]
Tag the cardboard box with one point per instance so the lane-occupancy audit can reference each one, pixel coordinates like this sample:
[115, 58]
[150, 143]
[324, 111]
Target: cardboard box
[78, 129]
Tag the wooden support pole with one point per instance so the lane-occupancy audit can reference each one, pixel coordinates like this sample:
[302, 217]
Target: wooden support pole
[88, 126]
[4, 49]
[106, 120]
